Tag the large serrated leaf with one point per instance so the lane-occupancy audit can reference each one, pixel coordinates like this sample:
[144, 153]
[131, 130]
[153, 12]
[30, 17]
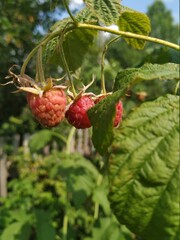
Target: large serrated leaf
[144, 170]
[101, 115]
[134, 22]
[167, 71]
[86, 16]
[106, 11]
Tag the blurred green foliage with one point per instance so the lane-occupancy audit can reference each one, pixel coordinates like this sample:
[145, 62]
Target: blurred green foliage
[46, 191]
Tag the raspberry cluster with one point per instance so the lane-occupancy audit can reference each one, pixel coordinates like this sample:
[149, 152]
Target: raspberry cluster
[51, 108]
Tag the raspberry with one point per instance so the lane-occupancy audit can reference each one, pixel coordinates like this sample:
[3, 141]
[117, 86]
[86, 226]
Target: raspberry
[48, 109]
[119, 110]
[77, 112]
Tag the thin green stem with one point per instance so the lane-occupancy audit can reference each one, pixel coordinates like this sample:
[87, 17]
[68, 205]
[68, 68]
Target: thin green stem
[69, 12]
[103, 87]
[65, 227]
[61, 137]
[44, 41]
[40, 72]
[68, 142]
[96, 206]
[96, 210]
[102, 63]
[67, 69]
[28, 58]
[176, 88]
[129, 35]
[94, 27]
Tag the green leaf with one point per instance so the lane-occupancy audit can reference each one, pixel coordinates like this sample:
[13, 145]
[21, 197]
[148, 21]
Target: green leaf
[44, 229]
[86, 16]
[11, 231]
[52, 47]
[80, 176]
[168, 71]
[76, 44]
[19, 228]
[60, 25]
[100, 196]
[107, 11]
[25, 232]
[101, 117]
[134, 22]
[108, 228]
[39, 140]
[144, 170]
[102, 114]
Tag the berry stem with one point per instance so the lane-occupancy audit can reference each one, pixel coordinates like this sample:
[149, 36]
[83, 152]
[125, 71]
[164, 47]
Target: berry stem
[128, 34]
[66, 66]
[69, 12]
[102, 63]
[39, 66]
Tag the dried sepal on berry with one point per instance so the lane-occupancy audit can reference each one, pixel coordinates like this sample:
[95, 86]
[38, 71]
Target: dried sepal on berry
[46, 100]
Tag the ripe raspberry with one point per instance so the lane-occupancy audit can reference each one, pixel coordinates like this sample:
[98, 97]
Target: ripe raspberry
[77, 112]
[119, 110]
[48, 109]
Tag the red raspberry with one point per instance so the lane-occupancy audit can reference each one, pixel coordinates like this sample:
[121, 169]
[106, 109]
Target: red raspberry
[48, 109]
[119, 110]
[77, 112]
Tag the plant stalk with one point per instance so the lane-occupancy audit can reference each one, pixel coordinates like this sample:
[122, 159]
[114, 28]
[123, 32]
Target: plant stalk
[44, 41]
[102, 64]
[96, 206]
[65, 227]
[40, 72]
[69, 12]
[67, 70]
[99, 28]
[129, 35]
[69, 139]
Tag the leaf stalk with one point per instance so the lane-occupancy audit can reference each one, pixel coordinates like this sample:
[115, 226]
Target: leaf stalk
[129, 35]
[69, 12]
[76, 25]
[102, 63]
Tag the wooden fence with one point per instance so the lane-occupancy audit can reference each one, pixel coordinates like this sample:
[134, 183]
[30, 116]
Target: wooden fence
[80, 143]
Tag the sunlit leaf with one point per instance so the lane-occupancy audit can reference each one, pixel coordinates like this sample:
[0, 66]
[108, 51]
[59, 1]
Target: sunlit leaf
[102, 114]
[144, 170]
[168, 71]
[134, 22]
[106, 11]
